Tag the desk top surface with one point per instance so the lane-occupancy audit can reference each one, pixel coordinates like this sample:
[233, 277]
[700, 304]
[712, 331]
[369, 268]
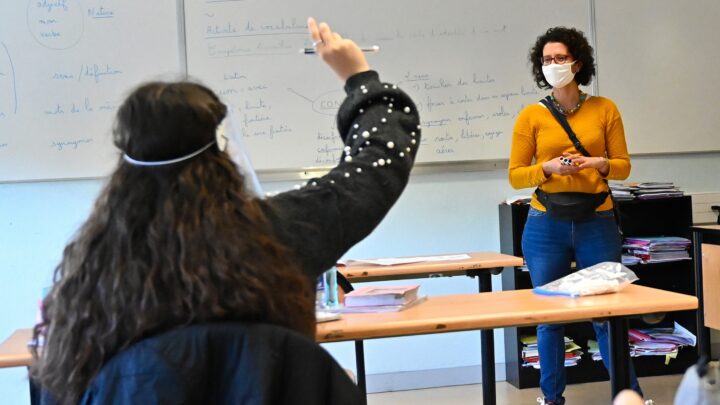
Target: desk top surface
[14, 350]
[457, 313]
[707, 228]
[478, 260]
[501, 309]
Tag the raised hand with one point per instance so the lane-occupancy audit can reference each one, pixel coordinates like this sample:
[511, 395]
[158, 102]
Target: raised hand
[342, 55]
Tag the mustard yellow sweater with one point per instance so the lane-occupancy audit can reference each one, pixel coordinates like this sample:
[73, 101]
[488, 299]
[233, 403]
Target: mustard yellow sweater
[538, 137]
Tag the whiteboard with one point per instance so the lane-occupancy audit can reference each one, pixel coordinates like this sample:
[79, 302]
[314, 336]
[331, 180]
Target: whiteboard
[463, 62]
[658, 60]
[65, 65]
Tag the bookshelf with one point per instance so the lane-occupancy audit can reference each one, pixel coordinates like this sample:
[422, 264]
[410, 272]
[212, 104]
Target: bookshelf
[667, 216]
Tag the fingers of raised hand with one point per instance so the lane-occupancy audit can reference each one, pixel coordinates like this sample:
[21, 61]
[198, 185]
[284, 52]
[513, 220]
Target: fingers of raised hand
[326, 34]
[313, 29]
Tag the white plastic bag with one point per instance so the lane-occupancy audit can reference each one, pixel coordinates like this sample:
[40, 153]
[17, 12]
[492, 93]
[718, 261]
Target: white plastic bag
[602, 278]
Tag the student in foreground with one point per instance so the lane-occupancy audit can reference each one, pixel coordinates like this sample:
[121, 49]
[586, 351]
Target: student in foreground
[175, 239]
[571, 213]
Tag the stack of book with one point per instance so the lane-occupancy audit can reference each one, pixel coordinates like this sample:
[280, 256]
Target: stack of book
[531, 358]
[644, 191]
[656, 249]
[630, 260]
[622, 192]
[381, 298]
[652, 190]
[660, 341]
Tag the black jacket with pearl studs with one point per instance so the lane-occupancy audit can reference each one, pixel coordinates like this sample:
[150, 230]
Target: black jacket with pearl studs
[379, 125]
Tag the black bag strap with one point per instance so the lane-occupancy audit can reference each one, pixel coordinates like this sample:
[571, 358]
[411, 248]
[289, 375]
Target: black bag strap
[547, 102]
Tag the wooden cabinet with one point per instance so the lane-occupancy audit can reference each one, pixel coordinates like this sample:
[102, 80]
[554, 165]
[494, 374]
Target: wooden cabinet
[711, 282]
[668, 217]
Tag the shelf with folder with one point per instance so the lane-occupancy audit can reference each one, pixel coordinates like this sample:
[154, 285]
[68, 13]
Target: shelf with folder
[667, 216]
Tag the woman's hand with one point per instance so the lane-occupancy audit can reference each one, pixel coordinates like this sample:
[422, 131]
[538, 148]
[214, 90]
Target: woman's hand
[555, 166]
[342, 55]
[584, 162]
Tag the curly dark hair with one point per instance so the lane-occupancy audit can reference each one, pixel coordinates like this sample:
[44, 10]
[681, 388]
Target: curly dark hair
[577, 45]
[165, 246]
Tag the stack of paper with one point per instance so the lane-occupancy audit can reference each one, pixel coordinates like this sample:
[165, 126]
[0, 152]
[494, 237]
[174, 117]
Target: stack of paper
[623, 191]
[654, 190]
[644, 191]
[531, 358]
[594, 350]
[655, 249]
[629, 260]
[659, 341]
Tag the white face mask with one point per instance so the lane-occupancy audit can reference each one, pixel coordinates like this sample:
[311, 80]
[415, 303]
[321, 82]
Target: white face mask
[558, 76]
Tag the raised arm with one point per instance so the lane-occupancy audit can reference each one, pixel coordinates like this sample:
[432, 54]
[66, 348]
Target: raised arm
[379, 126]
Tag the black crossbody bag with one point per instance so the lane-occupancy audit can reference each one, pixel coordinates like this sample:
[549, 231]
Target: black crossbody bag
[570, 205]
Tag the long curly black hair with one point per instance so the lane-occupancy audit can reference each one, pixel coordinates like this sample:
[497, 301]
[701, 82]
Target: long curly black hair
[578, 46]
[165, 246]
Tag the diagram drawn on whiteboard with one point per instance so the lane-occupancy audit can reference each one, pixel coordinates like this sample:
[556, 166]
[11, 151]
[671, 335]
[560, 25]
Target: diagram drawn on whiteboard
[56, 24]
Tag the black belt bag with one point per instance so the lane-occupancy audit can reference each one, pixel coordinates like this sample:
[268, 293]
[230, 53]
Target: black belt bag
[571, 205]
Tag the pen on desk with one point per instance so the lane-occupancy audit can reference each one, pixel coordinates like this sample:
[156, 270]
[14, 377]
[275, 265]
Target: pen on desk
[311, 51]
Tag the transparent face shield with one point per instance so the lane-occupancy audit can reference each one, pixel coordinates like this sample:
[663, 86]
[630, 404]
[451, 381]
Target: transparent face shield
[229, 139]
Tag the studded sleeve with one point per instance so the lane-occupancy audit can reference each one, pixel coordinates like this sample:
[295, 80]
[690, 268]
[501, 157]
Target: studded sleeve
[379, 126]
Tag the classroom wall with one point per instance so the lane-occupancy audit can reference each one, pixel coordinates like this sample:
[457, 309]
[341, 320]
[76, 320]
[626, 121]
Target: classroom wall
[439, 213]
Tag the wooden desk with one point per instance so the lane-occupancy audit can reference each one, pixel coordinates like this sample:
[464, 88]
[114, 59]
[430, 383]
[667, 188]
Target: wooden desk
[701, 234]
[514, 308]
[480, 264]
[484, 311]
[14, 350]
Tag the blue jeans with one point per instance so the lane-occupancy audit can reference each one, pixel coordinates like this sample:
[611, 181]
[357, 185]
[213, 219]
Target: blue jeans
[549, 246]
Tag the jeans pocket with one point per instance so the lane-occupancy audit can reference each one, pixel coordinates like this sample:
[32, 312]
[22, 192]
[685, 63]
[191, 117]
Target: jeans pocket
[534, 212]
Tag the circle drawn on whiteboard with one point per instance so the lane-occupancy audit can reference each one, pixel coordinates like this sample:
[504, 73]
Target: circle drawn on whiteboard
[327, 103]
[55, 24]
[8, 89]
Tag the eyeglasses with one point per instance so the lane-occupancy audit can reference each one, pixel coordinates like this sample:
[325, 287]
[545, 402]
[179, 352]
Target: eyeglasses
[559, 59]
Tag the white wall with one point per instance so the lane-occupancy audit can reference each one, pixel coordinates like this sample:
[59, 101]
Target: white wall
[439, 213]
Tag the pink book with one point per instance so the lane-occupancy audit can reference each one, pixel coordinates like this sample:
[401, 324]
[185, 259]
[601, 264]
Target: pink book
[382, 295]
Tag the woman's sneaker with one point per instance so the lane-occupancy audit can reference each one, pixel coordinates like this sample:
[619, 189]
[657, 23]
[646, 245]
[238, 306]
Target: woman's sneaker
[543, 401]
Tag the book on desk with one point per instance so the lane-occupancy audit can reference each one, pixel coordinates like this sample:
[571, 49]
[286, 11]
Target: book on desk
[381, 299]
[382, 295]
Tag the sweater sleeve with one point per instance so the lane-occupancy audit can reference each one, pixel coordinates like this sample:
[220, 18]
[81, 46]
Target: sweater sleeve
[617, 152]
[521, 172]
[379, 125]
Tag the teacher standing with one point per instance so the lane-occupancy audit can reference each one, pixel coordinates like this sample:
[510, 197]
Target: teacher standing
[562, 228]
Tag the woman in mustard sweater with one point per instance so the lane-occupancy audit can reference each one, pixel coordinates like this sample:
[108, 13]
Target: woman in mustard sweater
[543, 156]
